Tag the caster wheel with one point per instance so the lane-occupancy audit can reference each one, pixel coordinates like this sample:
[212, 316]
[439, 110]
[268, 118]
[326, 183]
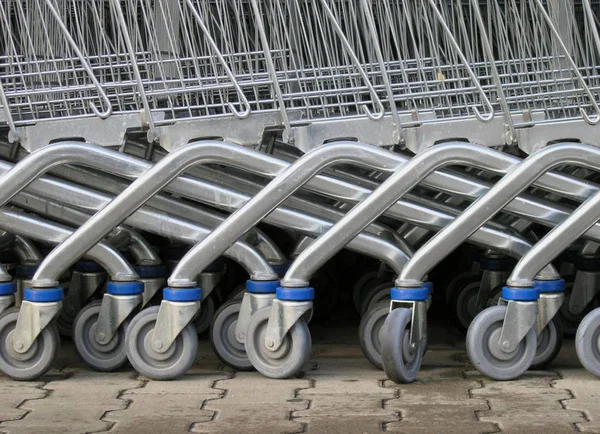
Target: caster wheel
[549, 343]
[459, 281]
[464, 305]
[222, 337]
[587, 342]
[159, 366]
[108, 357]
[237, 293]
[289, 359]
[368, 281]
[37, 360]
[483, 347]
[569, 320]
[205, 316]
[401, 363]
[65, 321]
[369, 332]
[383, 295]
[370, 295]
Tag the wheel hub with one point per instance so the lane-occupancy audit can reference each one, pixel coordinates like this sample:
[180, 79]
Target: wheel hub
[22, 357]
[99, 346]
[232, 338]
[148, 347]
[495, 346]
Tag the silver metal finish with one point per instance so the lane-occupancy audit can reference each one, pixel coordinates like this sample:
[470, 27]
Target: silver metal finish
[33, 318]
[418, 329]
[113, 311]
[384, 197]
[520, 317]
[6, 301]
[489, 281]
[209, 281]
[81, 288]
[585, 288]
[250, 304]
[284, 315]
[172, 318]
[548, 306]
[151, 288]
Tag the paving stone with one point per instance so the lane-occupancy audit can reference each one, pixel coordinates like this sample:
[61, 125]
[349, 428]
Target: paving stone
[13, 394]
[74, 405]
[585, 391]
[255, 404]
[529, 404]
[346, 396]
[167, 406]
[439, 401]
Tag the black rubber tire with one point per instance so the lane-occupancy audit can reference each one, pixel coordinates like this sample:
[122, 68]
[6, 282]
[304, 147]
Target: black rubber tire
[369, 332]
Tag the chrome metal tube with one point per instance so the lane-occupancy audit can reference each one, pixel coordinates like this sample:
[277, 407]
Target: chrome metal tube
[20, 223]
[28, 253]
[407, 177]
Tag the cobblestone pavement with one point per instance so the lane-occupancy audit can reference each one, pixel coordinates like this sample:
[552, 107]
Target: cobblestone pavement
[340, 393]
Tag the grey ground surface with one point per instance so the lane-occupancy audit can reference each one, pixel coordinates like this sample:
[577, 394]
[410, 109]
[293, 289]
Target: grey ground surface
[340, 393]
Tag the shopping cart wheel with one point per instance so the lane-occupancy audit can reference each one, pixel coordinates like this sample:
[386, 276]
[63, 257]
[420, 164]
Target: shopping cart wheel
[368, 280]
[222, 337]
[587, 342]
[549, 343]
[401, 363]
[483, 347]
[382, 295]
[369, 332]
[37, 360]
[205, 316]
[374, 293]
[159, 366]
[108, 357]
[464, 303]
[289, 359]
[237, 293]
[570, 321]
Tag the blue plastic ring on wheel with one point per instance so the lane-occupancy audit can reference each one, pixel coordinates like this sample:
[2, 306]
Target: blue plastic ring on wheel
[151, 271]
[411, 294]
[182, 294]
[520, 294]
[430, 286]
[295, 294]
[550, 285]
[45, 295]
[124, 288]
[262, 287]
[280, 269]
[8, 288]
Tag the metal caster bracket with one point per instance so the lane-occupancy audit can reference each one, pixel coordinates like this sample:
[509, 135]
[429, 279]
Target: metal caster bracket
[490, 279]
[151, 287]
[418, 328]
[585, 288]
[250, 304]
[114, 310]
[284, 315]
[173, 317]
[209, 281]
[33, 318]
[6, 301]
[520, 317]
[548, 306]
[81, 289]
